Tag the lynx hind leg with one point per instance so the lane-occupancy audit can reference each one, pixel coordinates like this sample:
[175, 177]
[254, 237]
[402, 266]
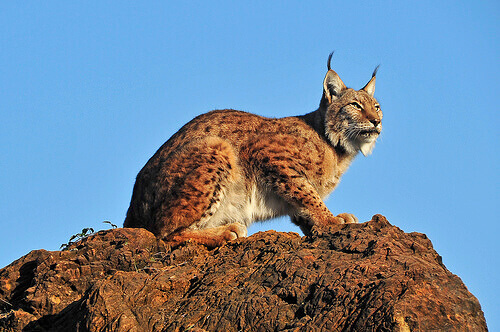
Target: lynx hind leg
[201, 173]
[210, 237]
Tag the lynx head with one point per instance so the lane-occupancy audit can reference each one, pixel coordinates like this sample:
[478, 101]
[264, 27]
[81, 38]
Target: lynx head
[352, 118]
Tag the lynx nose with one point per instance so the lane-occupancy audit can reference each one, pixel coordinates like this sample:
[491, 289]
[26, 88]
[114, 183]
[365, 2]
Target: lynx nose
[375, 122]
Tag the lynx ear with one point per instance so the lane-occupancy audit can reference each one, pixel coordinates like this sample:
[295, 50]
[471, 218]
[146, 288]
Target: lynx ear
[332, 85]
[370, 86]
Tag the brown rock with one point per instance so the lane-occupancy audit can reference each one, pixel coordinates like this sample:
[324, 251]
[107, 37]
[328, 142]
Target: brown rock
[356, 277]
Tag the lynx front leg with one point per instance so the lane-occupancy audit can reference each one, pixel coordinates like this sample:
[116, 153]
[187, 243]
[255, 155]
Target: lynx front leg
[210, 237]
[306, 226]
[349, 218]
[284, 169]
[296, 190]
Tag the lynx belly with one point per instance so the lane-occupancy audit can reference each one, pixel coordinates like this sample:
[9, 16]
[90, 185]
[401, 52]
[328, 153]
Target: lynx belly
[245, 207]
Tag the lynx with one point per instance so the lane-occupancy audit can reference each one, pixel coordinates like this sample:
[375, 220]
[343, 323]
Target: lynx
[226, 169]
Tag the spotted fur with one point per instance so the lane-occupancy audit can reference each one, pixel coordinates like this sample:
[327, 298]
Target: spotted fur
[226, 169]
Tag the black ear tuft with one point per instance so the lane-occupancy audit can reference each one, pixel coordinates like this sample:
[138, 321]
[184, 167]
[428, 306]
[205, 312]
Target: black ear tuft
[329, 59]
[375, 71]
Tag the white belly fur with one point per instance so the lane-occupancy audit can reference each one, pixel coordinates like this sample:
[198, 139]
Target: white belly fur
[245, 206]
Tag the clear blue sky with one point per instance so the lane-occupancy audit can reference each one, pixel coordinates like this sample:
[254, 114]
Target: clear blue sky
[90, 90]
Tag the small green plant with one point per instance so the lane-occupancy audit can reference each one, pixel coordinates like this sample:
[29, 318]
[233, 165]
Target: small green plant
[109, 222]
[77, 237]
[83, 234]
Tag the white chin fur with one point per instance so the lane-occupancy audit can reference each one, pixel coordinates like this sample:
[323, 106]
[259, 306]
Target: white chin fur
[352, 146]
[366, 148]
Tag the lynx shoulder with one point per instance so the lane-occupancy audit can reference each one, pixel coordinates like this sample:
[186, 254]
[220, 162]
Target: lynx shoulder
[226, 169]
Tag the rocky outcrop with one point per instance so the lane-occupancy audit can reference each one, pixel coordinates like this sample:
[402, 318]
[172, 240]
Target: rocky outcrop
[357, 277]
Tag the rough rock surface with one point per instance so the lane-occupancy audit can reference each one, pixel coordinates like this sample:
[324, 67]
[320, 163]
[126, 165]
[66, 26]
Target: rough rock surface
[357, 277]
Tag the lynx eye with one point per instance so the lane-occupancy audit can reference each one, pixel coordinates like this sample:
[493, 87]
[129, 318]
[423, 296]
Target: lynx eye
[356, 105]
[377, 108]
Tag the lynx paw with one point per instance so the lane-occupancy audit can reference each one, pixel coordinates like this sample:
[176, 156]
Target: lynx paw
[348, 218]
[234, 231]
